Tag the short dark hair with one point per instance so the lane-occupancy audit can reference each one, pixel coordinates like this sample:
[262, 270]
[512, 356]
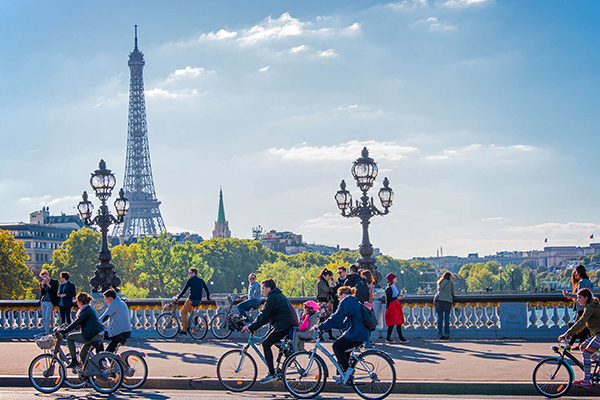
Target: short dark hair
[354, 268]
[111, 293]
[269, 283]
[194, 271]
[585, 292]
[84, 298]
[342, 268]
[65, 275]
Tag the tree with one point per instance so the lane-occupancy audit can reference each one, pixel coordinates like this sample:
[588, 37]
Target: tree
[124, 259]
[185, 256]
[155, 264]
[16, 280]
[78, 255]
[130, 291]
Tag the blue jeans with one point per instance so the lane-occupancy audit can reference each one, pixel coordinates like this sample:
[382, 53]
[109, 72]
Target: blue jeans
[47, 308]
[246, 305]
[443, 318]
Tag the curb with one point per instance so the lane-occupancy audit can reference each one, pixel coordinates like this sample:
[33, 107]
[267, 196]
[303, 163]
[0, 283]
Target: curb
[407, 387]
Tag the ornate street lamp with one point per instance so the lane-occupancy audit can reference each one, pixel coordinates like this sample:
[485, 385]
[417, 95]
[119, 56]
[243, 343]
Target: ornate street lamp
[103, 182]
[365, 171]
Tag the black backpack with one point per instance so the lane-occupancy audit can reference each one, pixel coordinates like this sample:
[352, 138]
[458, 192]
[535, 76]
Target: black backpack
[369, 318]
[362, 290]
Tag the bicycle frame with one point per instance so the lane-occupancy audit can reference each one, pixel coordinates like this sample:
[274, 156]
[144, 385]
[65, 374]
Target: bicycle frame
[252, 343]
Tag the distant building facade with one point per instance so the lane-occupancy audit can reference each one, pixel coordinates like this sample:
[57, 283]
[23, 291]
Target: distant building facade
[221, 225]
[184, 237]
[42, 235]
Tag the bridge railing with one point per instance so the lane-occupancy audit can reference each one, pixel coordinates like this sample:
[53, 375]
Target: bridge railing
[472, 316]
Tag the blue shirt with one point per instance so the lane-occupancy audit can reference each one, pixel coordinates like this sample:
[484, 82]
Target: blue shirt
[254, 291]
[349, 312]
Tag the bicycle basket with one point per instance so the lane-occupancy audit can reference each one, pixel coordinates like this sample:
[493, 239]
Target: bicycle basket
[46, 342]
[170, 306]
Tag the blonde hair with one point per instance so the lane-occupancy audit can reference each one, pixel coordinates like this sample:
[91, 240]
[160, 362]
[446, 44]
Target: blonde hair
[347, 290]
[44, 271]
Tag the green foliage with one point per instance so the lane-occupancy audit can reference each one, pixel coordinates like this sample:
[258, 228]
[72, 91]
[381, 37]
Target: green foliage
[78, 255]
[130, 291]
[155, 264]
[16, 280]
[290, 279]
[124, 258]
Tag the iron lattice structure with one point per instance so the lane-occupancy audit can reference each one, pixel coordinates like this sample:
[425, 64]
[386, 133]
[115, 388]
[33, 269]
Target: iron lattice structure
[143, 218]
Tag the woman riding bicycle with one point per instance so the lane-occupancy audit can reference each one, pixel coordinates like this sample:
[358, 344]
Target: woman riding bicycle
[91, 328]
[591, 319]
[348, 316]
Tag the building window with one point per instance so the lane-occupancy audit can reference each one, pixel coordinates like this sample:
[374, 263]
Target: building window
[27, 245]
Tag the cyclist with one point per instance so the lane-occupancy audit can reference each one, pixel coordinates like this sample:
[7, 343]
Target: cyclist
[196, 286]
[253, 298]
[348, 314]
[119, 320]
[591, 319]
[91, 328]
[283, 317]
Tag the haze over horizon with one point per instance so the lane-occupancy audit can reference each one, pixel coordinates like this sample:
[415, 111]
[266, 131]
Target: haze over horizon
[483, 115]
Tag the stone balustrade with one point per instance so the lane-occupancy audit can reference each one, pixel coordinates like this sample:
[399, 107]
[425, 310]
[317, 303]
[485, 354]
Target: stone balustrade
[473, 316]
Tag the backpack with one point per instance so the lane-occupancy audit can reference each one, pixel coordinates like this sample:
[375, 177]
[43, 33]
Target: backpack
[362, 290]
[369, 318]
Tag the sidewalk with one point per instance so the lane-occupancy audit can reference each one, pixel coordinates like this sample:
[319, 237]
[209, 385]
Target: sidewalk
[423, 366]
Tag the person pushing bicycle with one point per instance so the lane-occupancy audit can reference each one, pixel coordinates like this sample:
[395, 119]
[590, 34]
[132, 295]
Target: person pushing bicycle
[348, 316]
[591, 320]
[283, 317]
[196, 286]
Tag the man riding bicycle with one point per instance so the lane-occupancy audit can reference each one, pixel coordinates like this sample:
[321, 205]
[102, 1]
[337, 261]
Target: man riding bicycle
[196, 286]
[253, 298]
[119, 320]
[348, 315]
[591, 319]
[281, 314]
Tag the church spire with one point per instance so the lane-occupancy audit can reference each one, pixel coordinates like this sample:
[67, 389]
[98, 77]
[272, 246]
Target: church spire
[221, 225]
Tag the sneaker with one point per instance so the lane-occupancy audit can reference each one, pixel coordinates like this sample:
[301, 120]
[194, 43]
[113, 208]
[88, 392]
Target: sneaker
[73, 364]
[445, 337]
[402, 340]
[269, 378]
[390, 341]
[183, 333]
[583, 383]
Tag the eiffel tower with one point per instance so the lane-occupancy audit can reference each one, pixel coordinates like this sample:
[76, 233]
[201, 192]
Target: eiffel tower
[143, 218]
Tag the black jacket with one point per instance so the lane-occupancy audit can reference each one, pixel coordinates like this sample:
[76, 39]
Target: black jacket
[52, 290]
[68, 289]
[90, 324]
[351, 279]
[196, 286]
[278, 311]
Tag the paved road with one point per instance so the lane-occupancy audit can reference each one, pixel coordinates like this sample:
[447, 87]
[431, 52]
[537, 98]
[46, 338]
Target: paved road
[64, 394]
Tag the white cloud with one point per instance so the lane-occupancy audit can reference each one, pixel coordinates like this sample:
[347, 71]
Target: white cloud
[463, 3]
[298, 49]
[328, 221]
[171, 94]
[342, 151]
[274, 29]
[222, 34]
[479, 150]
[65, 204]
[433, 24]
[492, 219]
[555, 228]
[98, 105]
[187, 72]
[329, 53]
[350, 108]
[264, 69]
[402, 5]
[352, 29]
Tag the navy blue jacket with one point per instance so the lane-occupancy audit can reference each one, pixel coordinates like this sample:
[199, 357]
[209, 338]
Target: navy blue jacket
[348, 312]
[89, 322]
[196, 286]
[68, 289]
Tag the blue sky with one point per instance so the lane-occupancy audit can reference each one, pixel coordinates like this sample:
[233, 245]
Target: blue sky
[482, 113]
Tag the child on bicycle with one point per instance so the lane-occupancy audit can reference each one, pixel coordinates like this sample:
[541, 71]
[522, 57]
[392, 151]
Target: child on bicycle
[591, 319]
[349, 313]
[309, 318]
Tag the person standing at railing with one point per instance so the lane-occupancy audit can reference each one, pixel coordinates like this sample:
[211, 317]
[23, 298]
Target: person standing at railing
[196, 286]
[443, 304]
[66, 292]
[580, 280]
[591, 320]
[48, 299]
[253, 297]
[325, 294]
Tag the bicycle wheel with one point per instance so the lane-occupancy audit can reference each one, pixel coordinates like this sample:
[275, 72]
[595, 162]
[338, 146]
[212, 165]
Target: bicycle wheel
[109, 373]
[374, 375]
[198, 326]
[167, 325]
[46, 373]
[135, 371]
[237, 370]
[302, 378]
[219, 326]
[552, 377]
[73, 379]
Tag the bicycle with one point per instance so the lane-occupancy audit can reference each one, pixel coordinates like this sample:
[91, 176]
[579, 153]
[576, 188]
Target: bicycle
[305, 372]
[47, 371]
[135, 368]
[225, 322]
[237, 370]
[168, 324]
[553, 377]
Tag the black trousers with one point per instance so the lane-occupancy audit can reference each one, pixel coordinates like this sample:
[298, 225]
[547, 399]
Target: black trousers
[65, 314]
[339, 349]
[115, 340]
[273, 337]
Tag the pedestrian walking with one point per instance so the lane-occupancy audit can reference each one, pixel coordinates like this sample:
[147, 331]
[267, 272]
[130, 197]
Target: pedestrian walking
[394, 316]
[443, 304]
[48, 299]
